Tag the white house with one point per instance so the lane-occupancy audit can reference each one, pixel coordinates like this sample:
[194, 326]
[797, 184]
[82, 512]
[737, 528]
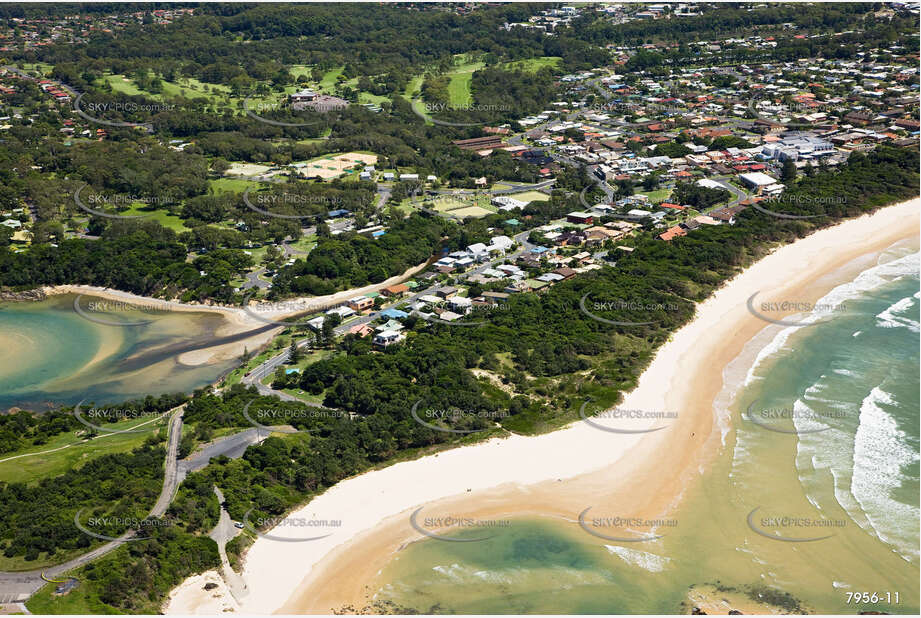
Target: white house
[343, 312]
[460, 304]
[387, 337]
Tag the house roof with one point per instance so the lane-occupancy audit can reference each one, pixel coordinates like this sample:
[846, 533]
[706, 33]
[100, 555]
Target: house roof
[394, 313]
[673, 232]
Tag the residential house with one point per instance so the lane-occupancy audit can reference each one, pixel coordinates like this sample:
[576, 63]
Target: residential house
[360, 303]
[395, 291]
[673, 232]
[387, 338]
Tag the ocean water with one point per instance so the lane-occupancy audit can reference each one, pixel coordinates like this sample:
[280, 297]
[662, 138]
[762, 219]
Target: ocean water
[533, 566]
[820, 435]
[53, 356]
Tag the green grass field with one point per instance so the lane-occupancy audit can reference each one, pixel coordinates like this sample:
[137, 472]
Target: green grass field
[459, 84]
[78, 601]
[330, 79]
[463, 205]
[405, 206]
[367, 97]
[120, 83]
[308, 359]
[159, 215]
[305, 244]
[531, 196]
[413, 87]
[67, 451]
[657, 196]
[532, 64]
[187, 87]
[301, 70]
[232, 185]
[43, 67]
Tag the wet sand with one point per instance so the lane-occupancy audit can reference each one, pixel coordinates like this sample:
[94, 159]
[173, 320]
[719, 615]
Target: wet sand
[558, 475]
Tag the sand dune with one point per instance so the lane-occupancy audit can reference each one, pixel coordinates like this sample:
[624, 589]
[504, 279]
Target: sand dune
[559, 474]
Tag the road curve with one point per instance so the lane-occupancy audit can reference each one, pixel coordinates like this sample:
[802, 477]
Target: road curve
[20, 585]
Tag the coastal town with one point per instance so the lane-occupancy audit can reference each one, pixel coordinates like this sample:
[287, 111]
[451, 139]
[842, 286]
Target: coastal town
[502, 228]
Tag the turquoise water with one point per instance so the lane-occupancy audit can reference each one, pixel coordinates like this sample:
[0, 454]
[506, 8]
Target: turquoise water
[530, 567]
[845, 451]
[852, 384]
[52, 356]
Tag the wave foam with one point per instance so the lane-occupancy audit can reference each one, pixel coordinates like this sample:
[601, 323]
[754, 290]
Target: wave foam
[881, 452]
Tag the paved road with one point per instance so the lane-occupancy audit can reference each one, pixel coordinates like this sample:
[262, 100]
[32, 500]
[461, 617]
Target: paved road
[513, 188]
[267, 368]
[739, 194]
[383, 195]
[253, 280]
[223, 532]
[289, 251]
[232, 446]
[19, 586]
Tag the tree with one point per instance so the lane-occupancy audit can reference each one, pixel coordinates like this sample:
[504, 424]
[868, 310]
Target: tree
[294, 352]
[328, 331]
[788, 172]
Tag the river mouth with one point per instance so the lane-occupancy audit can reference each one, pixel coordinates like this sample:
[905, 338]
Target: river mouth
[55, 355]
[812, 499]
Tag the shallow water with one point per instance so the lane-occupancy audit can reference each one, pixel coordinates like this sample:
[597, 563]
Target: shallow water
[53, 355]
[834, 454]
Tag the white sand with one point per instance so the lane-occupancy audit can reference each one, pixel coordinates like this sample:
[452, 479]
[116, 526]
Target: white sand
[238, 320]
[192, 593]
[275, 570]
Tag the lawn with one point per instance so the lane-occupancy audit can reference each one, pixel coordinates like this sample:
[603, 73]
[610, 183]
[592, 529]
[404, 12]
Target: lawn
[459, 86]
[43, 67]
[463, 205]
[232, 185]
[78, 601]
[531, 196]
[367, 97]
[657, 196]
[330, 79]
[73, 452]
[120, 83]
[301, 70]
[532, 64]
[308, 359]
[160, 215]
[305, 244]
[186, 87]
[470, 211]
[413, 87]
[406, 206]
[191, 88]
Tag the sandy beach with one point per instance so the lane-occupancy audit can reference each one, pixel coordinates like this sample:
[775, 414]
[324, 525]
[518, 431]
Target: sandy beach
[557, 475]
[238, 320]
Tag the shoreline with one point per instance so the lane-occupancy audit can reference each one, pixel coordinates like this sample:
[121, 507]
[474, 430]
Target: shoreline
[290, 307]
[521, 476]
[237, 320]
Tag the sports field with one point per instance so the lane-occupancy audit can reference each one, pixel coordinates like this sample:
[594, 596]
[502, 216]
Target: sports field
[333, 166]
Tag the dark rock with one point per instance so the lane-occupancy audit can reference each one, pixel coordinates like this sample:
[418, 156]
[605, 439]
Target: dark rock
[26, 295]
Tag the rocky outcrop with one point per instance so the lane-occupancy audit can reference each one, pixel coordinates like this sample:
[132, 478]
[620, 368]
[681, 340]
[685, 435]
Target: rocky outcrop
[25, 295]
